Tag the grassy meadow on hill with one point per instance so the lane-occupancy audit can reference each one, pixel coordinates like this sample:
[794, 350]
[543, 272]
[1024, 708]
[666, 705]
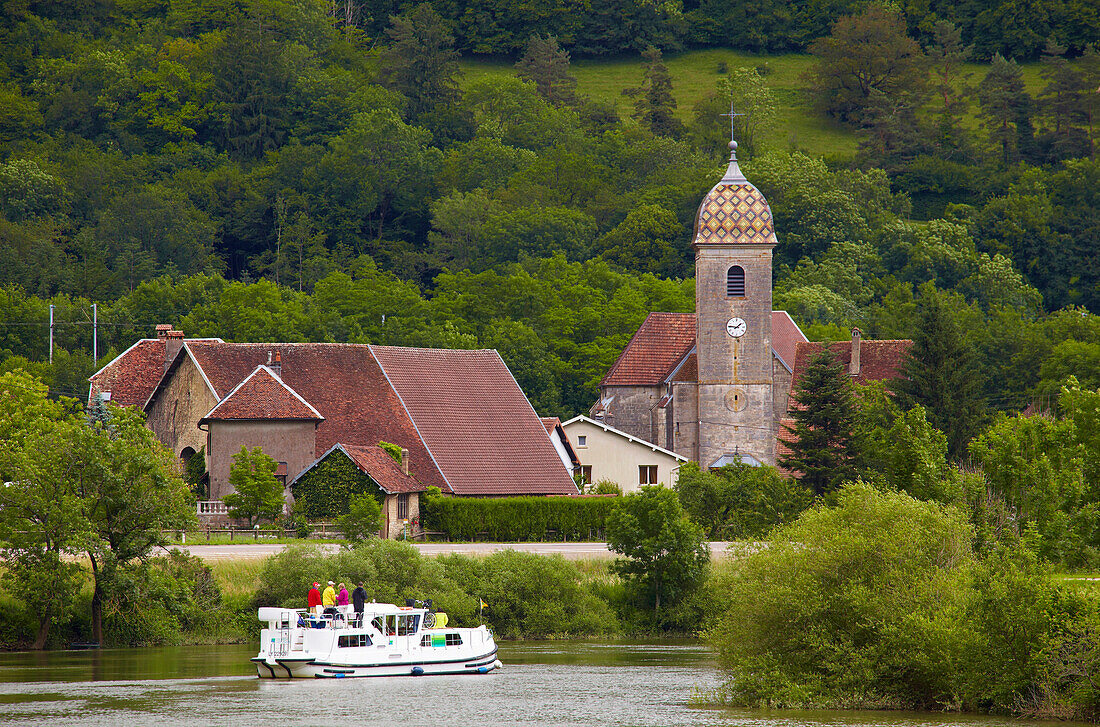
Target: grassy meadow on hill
[695, 73]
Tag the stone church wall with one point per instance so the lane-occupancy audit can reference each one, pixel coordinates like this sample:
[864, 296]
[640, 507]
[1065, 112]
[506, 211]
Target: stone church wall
[633, 410]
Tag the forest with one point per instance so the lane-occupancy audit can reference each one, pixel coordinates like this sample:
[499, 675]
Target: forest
[302, 170]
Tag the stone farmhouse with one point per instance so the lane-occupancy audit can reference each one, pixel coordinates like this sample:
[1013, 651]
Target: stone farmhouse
[466, 425]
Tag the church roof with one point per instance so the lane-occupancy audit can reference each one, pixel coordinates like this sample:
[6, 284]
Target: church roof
[734, 212]
[879, 360]
[656, 348]
[663, 349]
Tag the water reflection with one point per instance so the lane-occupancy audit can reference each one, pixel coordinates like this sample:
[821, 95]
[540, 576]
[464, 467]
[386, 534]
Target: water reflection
[543, 683]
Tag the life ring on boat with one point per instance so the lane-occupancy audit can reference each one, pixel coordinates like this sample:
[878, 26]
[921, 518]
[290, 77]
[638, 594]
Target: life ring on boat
[429, 620]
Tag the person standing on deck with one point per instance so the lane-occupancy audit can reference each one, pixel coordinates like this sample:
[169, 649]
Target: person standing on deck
[328, 598]
[342, 596]
[314, 599]
[358, 602]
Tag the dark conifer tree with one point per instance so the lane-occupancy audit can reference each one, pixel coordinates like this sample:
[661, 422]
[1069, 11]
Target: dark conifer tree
[950, 86]
[1005, 107]
[941, 374]
[654, 104]
[420, 61]
[1062, 106]
[546, 65]
[822, 441]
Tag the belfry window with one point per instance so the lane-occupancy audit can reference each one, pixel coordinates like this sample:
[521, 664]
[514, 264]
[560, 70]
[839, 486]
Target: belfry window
[735, 282]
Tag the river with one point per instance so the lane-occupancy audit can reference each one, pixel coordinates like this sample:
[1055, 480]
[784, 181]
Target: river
[552, 683]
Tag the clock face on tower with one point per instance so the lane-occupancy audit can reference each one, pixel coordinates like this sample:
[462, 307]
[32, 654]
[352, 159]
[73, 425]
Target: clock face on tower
[735, 327]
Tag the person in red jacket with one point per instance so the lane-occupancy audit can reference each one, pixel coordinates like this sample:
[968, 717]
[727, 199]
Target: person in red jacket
[314, 599]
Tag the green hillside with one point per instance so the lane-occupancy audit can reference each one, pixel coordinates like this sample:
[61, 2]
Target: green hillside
[694, 74]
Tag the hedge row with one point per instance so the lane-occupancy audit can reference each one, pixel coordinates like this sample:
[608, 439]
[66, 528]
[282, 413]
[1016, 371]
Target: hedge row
[516, 519]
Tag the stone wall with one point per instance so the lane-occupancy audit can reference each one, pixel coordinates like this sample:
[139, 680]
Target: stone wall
[174, 414]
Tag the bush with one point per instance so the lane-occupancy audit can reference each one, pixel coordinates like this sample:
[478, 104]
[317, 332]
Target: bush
[363, 520]
[740, 501]
[156, 602]
[856, 605]
[516, 519]
[528, 595]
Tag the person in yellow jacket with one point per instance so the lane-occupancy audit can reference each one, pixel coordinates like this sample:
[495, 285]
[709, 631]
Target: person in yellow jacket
[328, 598]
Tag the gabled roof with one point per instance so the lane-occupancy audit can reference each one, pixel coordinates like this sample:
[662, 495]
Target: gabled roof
[262, 395]
[659, 344]
[133, 375]
[879, 360]
[342, 381]
[475, 421]
[663, 349]
[624, 435]
[554, 428]
[374, 462]
[786, 335]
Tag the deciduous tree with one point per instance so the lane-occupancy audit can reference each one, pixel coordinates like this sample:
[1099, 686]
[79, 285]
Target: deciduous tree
[256, 495]
[665, 555]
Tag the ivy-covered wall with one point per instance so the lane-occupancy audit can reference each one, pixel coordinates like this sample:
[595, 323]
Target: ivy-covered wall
[325, 491]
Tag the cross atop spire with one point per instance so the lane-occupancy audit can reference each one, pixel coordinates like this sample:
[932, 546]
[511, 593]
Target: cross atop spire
[733, 173]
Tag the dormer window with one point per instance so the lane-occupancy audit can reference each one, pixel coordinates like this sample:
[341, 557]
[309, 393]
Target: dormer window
[735, 282]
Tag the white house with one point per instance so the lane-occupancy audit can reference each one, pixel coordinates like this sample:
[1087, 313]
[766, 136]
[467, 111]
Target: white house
[605, 453]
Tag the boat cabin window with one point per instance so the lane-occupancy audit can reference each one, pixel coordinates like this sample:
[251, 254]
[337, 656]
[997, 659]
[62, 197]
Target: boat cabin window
[376, 622]
[406, 625]
[391, 625]
[441, 640]
[350, 642]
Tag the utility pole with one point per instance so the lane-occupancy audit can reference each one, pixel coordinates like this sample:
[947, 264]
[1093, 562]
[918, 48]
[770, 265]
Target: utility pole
[95, 335]
[51, 333]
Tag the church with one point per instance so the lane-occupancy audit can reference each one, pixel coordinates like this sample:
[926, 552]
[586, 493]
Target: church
[713, 386]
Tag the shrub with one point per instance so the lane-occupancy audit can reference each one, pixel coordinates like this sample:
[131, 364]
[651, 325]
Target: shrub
[740, 501]
[516, 519]
[363, 519]
[856, 605]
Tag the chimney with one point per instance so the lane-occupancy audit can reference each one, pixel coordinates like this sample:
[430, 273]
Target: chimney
[162, 330]
[173, 342]
[277, 366]
[405, 460]
[853, 364]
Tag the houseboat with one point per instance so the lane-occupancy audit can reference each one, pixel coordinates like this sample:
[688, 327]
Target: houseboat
[388, 640]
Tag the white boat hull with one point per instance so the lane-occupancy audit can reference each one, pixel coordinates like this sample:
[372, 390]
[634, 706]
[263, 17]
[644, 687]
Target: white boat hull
[300, 668]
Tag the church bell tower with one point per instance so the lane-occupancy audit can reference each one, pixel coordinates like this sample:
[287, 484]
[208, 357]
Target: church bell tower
[733, 242]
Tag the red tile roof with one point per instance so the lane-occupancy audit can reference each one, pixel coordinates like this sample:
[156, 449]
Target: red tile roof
[551, 423]
[659, 344]
[262, 395]
[476, 422]
[381, 467]
[341, 381]
[879, 360]
[786, 335]
[689, 370]
[133, 375]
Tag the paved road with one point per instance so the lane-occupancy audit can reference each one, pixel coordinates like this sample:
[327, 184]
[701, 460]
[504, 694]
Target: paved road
[569, 551]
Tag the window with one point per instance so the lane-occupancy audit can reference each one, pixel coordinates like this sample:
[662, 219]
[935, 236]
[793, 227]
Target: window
[647, 474]
[441, 640]
[582, 440]
[280, 473]
[586, 474]
[403, 506]
[391, 625]
[407, 624]
[353, 641]
[735, 282]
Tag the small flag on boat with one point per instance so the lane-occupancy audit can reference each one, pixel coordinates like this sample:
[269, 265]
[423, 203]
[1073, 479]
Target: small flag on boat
[482, 604]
